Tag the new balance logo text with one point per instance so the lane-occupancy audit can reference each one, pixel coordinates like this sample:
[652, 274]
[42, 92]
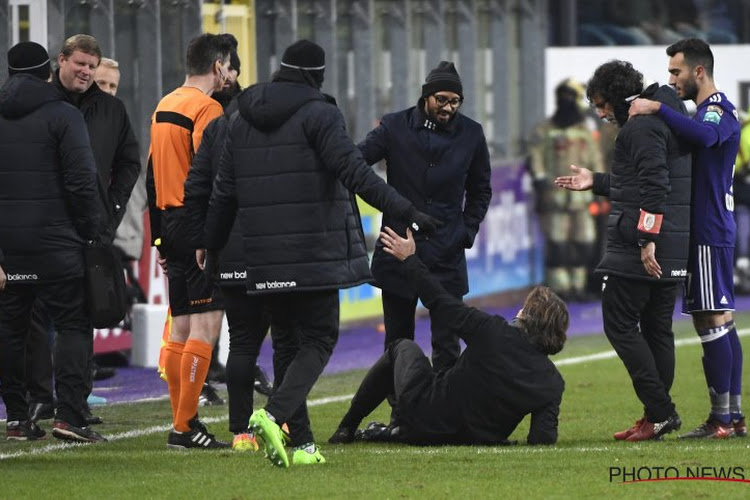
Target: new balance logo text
[233, 275]
[271, 285]
[22, 277]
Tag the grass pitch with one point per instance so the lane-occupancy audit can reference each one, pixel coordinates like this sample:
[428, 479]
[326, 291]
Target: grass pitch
[586, 462]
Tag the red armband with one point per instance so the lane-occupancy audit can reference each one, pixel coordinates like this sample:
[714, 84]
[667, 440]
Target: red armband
[650, 223]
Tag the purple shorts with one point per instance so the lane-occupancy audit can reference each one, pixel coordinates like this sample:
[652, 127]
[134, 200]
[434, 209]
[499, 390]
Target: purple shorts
[710, 279]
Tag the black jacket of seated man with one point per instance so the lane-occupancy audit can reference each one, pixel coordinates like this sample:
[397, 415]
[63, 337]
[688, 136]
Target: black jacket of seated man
[503, 375]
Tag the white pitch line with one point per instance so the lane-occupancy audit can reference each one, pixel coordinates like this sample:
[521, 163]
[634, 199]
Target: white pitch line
[337, 399]
[612, 354]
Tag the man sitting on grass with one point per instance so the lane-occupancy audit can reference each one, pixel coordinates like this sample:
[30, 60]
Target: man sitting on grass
[503, 374]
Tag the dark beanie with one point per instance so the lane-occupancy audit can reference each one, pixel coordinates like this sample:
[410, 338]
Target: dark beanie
[234, 61]
[304, 55]
[30, 58]
[443, 78]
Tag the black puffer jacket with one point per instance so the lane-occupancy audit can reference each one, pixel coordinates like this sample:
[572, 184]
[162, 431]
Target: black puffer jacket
[48, 188]
[290, 168]
[651, 171]
[114, 144]
[198, 187]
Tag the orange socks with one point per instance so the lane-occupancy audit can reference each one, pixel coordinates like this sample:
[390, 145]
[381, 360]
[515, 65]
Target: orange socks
[196, 357]
[172, 360]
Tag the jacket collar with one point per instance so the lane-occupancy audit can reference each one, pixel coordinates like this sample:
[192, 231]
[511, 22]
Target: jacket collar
[75, 98]
[420, 120]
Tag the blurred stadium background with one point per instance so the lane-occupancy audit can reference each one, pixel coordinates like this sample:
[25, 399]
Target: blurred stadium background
[510, 55]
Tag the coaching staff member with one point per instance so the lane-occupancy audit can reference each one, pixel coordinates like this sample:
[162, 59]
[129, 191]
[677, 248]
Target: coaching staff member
[49, 209]
[503, 374]
[647, 239]
[290, 170]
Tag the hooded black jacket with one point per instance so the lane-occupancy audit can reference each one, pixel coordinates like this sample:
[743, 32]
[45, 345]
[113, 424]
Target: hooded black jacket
[48, 187]
[115, 147]
[651, 171]
[290, 168]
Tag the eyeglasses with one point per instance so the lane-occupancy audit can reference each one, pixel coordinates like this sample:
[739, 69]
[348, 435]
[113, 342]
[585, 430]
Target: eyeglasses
[441, 101]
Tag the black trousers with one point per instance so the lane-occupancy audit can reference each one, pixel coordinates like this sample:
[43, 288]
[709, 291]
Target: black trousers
[305, 331]
[66, 304]
[402, 373]
[247, 329]
[398, 317]
[39, 356]
[638, 323]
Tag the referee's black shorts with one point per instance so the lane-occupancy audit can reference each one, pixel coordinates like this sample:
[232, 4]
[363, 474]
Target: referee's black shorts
[190, 292]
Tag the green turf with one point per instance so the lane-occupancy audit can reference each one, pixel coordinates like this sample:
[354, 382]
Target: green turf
[598, 400]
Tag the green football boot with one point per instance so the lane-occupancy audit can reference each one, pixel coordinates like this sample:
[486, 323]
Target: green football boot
[272, 436]
[307, 454]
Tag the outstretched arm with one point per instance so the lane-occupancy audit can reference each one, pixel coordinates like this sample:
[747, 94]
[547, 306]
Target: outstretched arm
[446, 309]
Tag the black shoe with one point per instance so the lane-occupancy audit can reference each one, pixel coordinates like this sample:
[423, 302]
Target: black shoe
[41, 411]
[90, 418]
[103, 373]
[343, 435]
[378, 433]
[67, 432]
[209, 396]
[24, 430]
[196, 438]
[262, 384]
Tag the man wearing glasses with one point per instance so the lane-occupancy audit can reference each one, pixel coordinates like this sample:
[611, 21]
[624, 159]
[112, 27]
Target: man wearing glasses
[437, 158]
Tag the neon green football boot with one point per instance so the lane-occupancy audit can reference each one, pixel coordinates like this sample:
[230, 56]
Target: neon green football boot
[272, 436]
[307, 454]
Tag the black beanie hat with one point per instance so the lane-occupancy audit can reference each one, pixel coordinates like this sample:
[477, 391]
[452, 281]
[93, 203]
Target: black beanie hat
[304, 55]
[443, 77]
[30, 58]
[234, 61]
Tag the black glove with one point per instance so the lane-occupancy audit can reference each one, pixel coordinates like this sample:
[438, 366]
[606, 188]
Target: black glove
[211, 265]
[421, 223]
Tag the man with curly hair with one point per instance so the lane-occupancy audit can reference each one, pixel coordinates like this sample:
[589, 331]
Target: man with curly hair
[649, 188]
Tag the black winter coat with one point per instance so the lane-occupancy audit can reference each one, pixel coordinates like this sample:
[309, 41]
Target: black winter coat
[651, 171]
[198, 185]
[49, 201]
[290, 168]
[499, 378]
[446, 173]
[115, 148]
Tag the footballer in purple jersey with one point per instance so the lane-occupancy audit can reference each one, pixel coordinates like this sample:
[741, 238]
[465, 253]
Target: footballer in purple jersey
[713, 136]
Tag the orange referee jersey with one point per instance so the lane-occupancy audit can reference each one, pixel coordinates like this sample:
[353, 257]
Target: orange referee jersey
[176, 130]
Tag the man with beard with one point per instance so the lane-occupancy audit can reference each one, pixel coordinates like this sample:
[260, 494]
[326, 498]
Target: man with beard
[437, 158]
[569, 229]
[714, 137]
[649, 188]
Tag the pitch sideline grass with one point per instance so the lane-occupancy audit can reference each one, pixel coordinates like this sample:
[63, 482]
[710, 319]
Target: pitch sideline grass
[598, 400]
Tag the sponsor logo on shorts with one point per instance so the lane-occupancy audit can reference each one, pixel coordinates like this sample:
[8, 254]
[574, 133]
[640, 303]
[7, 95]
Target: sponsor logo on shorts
[273, 285]
[198, 302]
